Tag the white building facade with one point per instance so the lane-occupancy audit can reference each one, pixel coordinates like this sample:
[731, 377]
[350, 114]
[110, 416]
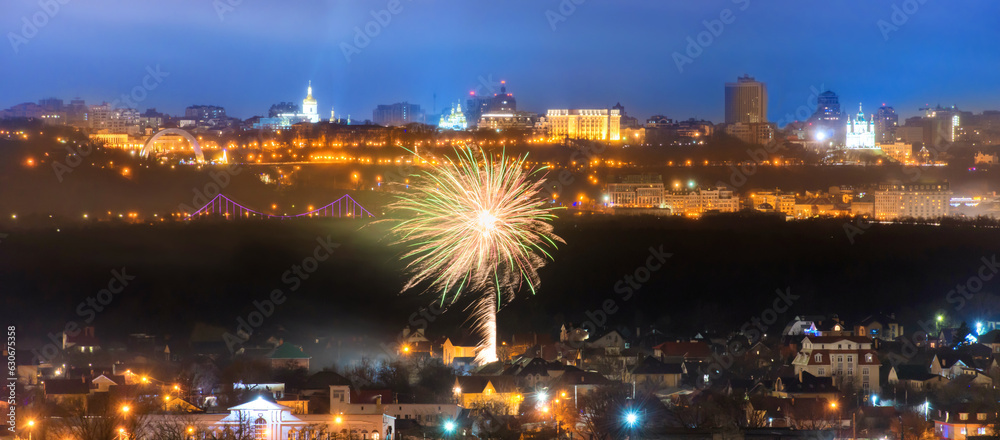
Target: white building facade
[860, 132]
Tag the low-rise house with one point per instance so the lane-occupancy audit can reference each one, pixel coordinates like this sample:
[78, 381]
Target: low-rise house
[948, 366]
[798, 413]
[497, 391]
[535, 372]
[68, 393]
[651, 373]
[576, 383]
[846, 359]
[885, 328]
[462, 347]
[681, 351]
[102, 383]
[612, 342]
[806, 385]
[916, 377]
[963, 420]
[84, 341]
[289, 356]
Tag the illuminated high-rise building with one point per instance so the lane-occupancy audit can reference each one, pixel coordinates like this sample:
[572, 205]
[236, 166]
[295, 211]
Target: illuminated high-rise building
[828, 121]
[860, 132]
[886, 121]
[400, 113]
[827, 108]
[746, 101]
[498, 103]
[942, 125]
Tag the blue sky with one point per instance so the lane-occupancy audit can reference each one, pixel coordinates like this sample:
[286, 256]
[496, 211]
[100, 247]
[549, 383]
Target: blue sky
[592, 55]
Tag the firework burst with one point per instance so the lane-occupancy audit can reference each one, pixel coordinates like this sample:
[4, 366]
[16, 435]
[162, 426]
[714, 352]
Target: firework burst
[476, 225]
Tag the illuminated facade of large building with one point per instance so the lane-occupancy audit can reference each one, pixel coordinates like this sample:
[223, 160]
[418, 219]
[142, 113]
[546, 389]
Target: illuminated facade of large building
[596, 124]
[694, 203]
[400, 113]
[746, 101]
[636, 191]
[455, 120]
[514, 120]
[860, 132]
[917, 200]
[760, 133]
[886, 122]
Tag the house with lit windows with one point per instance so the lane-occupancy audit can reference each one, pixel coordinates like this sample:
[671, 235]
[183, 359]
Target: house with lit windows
[848, 360]
[962, 421]
[473, 391]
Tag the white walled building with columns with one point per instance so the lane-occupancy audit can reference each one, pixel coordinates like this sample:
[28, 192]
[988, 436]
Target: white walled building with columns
[262, 419]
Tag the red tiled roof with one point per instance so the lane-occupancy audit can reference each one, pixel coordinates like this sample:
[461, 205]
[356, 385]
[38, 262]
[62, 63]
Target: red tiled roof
[685, 349]
[66, 386]
[832, 339]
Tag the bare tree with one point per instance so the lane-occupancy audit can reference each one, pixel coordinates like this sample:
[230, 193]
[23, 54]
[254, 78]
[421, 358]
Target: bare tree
[110, 421]
[601, 409]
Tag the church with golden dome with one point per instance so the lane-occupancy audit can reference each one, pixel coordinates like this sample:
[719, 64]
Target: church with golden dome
[455, 120]
[309, 113]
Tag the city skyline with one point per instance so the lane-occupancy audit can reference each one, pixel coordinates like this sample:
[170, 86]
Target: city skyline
[354, 79]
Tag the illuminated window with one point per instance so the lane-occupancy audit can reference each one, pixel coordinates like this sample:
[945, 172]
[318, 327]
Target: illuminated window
[260, 428]
[963, 416]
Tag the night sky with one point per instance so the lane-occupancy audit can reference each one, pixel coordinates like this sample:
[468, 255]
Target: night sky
[262, 52]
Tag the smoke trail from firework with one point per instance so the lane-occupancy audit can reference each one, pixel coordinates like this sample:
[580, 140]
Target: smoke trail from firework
[476, 225]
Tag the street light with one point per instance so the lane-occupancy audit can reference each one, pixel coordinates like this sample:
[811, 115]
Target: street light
[631, 419]
[449, 426]
[31, 425]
